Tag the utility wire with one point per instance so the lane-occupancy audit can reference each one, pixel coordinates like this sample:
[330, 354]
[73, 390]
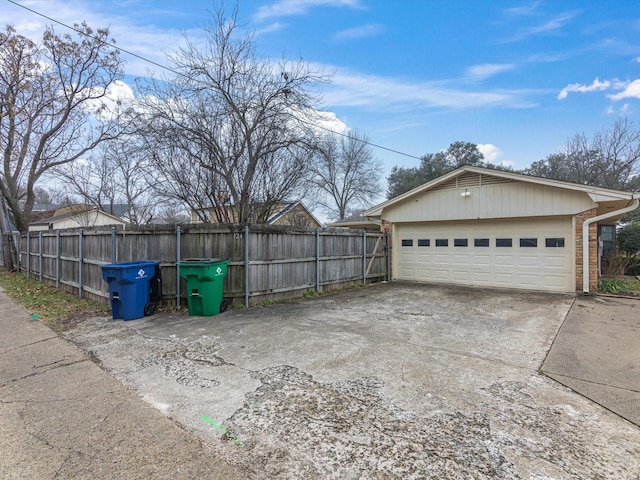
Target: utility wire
[169, 69]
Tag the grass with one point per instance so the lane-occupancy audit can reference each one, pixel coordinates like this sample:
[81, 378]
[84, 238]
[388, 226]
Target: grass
[620, 286]
[57, 309]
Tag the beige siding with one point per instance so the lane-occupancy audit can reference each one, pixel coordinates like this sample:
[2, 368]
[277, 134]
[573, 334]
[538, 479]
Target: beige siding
[506, 200]
[88, 219]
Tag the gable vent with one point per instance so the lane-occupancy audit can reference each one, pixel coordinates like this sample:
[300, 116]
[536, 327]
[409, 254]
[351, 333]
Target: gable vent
[465, 180]
[469, 180]
[453, 183]
[492, 180]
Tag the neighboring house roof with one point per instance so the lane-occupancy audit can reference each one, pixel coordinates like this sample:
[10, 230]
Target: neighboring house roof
[356, 221]
[282, 210]
[47, 220]
[597, 194]
[290, 207]
[41, 215]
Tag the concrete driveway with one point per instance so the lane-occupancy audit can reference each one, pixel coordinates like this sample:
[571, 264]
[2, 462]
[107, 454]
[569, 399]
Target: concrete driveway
[389, 381]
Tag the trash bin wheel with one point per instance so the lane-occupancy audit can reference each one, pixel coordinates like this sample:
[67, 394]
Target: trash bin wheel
[150, 308]
[224, 306]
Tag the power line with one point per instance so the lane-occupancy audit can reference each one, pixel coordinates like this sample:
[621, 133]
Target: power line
[80, 32]
[169, 69]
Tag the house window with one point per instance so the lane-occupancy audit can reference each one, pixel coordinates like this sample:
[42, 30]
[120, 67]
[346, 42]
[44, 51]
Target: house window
[460, 242]
[423, 242]
[528, 242]
[554, 242]
[407, 243]
[607, 236]
[481, 242]
[442, 242]
[503, 242]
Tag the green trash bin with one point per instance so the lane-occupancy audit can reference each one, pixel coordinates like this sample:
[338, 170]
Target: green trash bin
[204, 279]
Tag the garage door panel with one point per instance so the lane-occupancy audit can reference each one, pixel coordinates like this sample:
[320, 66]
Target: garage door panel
[481, 260]
[461, 276]
[536, 267]
[441, 259]
[440, 274]
[461, 259]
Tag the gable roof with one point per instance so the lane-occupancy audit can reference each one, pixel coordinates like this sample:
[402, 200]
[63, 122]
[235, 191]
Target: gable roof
[289, 207]
[56, 218]
[597, 194]
[356, 221]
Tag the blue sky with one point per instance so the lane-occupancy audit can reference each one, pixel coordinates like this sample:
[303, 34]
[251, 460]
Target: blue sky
[517, 78]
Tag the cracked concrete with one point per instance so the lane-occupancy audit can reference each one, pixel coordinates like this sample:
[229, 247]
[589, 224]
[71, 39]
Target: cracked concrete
[389, 381]
[63, 417]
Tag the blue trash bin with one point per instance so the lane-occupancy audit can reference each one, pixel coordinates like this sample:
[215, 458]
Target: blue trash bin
[130, 288]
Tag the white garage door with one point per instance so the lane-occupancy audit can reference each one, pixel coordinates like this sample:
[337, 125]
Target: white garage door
[527, 254]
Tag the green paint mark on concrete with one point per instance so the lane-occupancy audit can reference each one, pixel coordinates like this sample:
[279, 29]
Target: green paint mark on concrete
[224, 431]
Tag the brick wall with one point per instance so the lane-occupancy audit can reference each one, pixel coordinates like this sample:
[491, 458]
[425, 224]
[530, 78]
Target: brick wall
[593, 250]
[387, 227]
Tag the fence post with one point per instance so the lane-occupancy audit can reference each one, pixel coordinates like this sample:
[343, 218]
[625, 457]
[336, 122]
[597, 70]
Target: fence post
[80, 260]
[178, 235]
[388, 251]
[113, 245]
[317, 260]
[246, 266]
[28, 255]
[364, 257]
[58, 258]
[40, 255]
[19, 253]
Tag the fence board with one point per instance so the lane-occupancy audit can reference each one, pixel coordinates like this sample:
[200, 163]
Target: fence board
[283, 261]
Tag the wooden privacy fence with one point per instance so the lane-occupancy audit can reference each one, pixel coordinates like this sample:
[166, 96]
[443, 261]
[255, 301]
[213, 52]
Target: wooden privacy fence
[266, 262]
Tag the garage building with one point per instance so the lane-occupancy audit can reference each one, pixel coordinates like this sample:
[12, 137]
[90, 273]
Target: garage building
[483, 227]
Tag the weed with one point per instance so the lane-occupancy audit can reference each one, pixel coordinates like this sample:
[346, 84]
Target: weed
[309, 293]
[55, 308]
[618, 286]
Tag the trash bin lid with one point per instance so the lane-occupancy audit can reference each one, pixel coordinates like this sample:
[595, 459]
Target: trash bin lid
[203, 260]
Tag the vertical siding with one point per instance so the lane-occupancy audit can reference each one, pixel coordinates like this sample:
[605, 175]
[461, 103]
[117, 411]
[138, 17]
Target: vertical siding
[283, 262]
[513, 199]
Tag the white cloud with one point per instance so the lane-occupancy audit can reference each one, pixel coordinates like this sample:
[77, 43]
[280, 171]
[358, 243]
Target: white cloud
[552, 25]
[623, 111]
[283, 8]
[365, 31]
[486, 70]
[140, 38]
[627, 89]
[630, 90]
[119, 96]
[491, 152]
[355, 89]
[523, 10]
[273, 27]
[330, 121]
[597, 85]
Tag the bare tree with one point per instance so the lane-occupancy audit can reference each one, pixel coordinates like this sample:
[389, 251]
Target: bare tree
[610, 159]
[235, 116]
[117, 174]
[52, 108]
[345, 176]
